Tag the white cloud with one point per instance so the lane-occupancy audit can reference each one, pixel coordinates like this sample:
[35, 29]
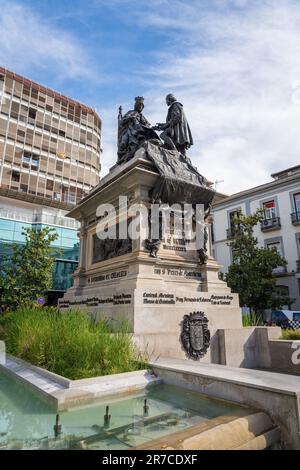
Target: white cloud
[235, 65]
[29, 41]
[234, 70]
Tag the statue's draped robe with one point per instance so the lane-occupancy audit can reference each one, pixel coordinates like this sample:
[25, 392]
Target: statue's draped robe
[133, 130]
[179, 129]
[133, 124]
[179, 180]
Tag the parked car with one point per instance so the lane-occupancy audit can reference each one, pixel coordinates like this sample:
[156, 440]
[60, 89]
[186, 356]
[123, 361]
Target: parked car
[285, 318]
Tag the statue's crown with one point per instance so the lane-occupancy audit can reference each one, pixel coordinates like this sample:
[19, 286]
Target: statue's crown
[198, 316]
[139, 98]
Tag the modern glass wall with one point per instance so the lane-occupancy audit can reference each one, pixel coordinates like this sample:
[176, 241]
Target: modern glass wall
[65, 249]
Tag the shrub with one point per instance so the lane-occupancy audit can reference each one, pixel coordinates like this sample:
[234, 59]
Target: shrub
[291, 334]
[251, 320]
[26, 271]
[70, 344]
[251, 272]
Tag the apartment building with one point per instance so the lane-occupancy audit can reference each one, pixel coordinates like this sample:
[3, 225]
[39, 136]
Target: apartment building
[49, 160]
[280, 200]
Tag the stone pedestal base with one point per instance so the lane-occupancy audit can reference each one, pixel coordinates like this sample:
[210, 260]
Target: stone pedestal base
[153, 297]
[123, 282]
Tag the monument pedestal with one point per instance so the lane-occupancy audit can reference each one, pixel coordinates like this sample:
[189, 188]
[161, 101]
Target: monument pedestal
[119, 280]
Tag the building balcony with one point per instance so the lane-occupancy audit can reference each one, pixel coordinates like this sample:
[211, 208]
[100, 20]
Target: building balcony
[279, 270]
[270, 224]
[295, 218]
[39, 218]
[298, 265]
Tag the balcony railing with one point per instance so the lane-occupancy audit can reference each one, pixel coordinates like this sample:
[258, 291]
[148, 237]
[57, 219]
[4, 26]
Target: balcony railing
[298, 265]
[229, 233]
[279, 270]
[38, 218]
[270, 224]
[295, 218]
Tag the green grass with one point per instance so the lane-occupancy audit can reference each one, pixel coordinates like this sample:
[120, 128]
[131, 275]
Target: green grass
[69, 344]
[291, 334]
[251, 320]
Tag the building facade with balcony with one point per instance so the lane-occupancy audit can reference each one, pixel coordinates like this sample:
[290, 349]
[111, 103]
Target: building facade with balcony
[49, 160]
[280, 228]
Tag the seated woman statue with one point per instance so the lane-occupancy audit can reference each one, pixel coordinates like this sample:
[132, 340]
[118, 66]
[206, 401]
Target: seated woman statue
[133, 130]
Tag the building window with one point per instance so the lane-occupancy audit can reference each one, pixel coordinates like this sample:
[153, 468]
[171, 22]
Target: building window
[34, 93]
[15, 109]
[30, 161]
[298, 260]
[229, 231]
[20, 133]
[231, 216]
[24, 188]
[59, 165]
[72, 198]
[297, 202]
[49, 185]
[283, 291]
[32, 113]
[34, 162]
[269, 209]
[15, 176]
[26, 159]
[277, 246]
[295, 216]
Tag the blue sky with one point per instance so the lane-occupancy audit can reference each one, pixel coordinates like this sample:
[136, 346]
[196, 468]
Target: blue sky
[235, 65]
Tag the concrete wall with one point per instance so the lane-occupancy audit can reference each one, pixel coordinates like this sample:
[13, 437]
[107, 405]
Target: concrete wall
[284, 355]
[247, 347]
[157, 345]
[236, 347]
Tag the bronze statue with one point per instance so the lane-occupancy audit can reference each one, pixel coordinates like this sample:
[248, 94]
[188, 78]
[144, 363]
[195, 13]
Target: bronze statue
[202, 252]
[176, 131]
[133, 130]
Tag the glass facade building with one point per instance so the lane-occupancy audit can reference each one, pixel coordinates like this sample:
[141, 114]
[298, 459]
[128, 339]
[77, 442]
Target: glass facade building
[49, 160]
[11, 231]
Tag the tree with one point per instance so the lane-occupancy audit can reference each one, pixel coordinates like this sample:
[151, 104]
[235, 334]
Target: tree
[251, 271]
[26, 274]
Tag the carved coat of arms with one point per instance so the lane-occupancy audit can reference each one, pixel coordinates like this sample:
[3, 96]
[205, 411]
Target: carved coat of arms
[195, 335]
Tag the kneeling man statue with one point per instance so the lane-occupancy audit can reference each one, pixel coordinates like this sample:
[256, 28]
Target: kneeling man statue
[176, 133]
